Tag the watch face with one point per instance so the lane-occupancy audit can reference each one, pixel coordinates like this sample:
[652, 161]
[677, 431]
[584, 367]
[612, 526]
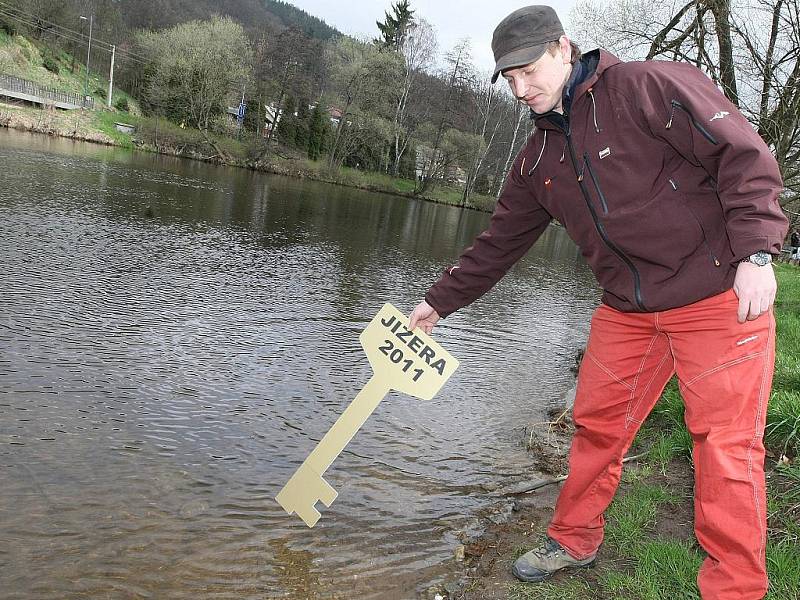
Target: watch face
[761, 258]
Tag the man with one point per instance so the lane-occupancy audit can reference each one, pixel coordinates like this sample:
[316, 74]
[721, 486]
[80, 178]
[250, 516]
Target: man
[672, 198]
[794, 242]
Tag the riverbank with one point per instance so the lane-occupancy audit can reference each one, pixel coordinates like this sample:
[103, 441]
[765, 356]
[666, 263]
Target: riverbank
[650, 551]
[163, 137]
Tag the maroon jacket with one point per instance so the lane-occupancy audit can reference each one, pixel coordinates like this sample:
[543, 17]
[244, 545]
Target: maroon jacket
[658, 178]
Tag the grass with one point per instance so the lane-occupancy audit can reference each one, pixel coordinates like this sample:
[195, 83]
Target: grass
[20, 57]
[664, 569]
[379, 182]
[783, 505]
[783, 564]
[783, 422]
[105, 122]
[783, 412]
[24, 58]
[571, 589]
[665, 432]
[632, 515]
[656, 567]
[158, 133]
[783, 554]
[653, 568]
[450, 195]
[665, 446]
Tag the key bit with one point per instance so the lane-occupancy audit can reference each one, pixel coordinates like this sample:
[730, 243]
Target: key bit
[301, 493]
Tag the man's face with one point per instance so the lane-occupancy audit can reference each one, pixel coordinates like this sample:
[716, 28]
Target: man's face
[539, 84]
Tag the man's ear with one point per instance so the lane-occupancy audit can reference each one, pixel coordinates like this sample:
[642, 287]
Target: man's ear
[566, 49]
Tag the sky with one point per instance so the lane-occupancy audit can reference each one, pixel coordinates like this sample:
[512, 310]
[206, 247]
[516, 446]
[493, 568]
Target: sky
[453, 20]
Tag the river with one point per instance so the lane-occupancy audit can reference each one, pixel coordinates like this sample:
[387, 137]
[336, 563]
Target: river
[176, 336]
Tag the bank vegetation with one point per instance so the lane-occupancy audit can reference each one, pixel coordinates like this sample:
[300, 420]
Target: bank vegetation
[396, 105]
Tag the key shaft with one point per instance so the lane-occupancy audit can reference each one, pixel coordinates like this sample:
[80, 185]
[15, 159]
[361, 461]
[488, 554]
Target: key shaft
[347, 425]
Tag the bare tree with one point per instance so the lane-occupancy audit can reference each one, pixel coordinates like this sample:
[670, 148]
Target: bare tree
[521, 113]
[749, 48]
[458, 75]
[486, 101]
[418, 51]
[361, 74]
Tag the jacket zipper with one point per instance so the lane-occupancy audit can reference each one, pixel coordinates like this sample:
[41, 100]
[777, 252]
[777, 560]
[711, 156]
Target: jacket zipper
[698, 126]
[713, 256]
[637, 286]
[596, 184]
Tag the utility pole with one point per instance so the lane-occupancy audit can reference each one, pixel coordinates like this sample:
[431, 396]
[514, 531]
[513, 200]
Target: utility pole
[111, 75]
[88, 55]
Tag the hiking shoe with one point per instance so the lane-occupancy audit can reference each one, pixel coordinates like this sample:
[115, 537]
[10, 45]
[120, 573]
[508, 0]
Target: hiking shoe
[541, 563]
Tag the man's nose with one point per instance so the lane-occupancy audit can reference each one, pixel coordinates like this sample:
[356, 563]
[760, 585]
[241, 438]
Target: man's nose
[519, 88]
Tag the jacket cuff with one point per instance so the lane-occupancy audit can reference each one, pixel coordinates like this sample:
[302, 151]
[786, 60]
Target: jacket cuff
[437, 305]
[744, 248]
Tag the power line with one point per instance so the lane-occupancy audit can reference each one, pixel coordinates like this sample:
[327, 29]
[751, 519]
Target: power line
[72, 35]
[33, 19]
[34, 24]
[120, 51]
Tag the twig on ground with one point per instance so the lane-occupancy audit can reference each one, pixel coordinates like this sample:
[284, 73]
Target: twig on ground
[550, 425]
[530, 487]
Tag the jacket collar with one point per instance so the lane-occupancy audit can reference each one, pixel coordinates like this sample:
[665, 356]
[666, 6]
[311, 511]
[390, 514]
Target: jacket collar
[585, 74]
[598, 61]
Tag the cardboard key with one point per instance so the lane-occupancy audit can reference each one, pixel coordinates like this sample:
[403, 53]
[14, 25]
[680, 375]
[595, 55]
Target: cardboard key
[403, 360]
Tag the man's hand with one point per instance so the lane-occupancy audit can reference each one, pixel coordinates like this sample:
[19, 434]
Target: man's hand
[755, 287]
[423, 316]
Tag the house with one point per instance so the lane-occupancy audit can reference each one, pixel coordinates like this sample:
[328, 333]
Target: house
[452, 172]
[335, 115]
[272, 116]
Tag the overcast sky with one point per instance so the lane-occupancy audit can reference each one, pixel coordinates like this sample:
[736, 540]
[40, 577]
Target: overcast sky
[453, 20]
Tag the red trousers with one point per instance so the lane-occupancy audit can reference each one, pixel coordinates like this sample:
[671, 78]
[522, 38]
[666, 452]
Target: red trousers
[725, 373]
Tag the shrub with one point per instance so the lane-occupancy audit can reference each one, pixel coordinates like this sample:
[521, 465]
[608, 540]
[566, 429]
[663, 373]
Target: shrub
[122, 104]
[8, 27]
[50, 63]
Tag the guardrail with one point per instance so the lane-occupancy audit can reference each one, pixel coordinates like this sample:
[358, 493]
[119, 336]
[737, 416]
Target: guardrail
[23, 87]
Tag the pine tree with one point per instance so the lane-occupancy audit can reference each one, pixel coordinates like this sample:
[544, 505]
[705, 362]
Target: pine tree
[317, 132]
[302, 125]
[394, 30]
[287, 126]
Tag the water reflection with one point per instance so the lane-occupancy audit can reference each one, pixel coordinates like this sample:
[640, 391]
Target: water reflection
[176, 337]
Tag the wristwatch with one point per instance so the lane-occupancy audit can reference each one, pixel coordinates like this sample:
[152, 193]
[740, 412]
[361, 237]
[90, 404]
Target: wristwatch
[760, 258]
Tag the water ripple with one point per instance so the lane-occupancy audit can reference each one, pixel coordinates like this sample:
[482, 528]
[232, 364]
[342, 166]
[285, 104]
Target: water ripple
[176, 337]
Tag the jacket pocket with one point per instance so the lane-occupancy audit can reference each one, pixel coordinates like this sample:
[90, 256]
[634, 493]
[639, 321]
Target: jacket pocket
[658, 233]
[689, 210]
[697, 125]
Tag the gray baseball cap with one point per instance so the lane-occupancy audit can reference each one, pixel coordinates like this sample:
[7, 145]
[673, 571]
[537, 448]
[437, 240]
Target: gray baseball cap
[522, 37]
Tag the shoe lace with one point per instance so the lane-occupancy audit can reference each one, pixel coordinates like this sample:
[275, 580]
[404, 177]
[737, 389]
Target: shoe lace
[550, 547]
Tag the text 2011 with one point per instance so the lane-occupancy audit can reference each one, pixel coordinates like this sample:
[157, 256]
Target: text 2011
[396, 356]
